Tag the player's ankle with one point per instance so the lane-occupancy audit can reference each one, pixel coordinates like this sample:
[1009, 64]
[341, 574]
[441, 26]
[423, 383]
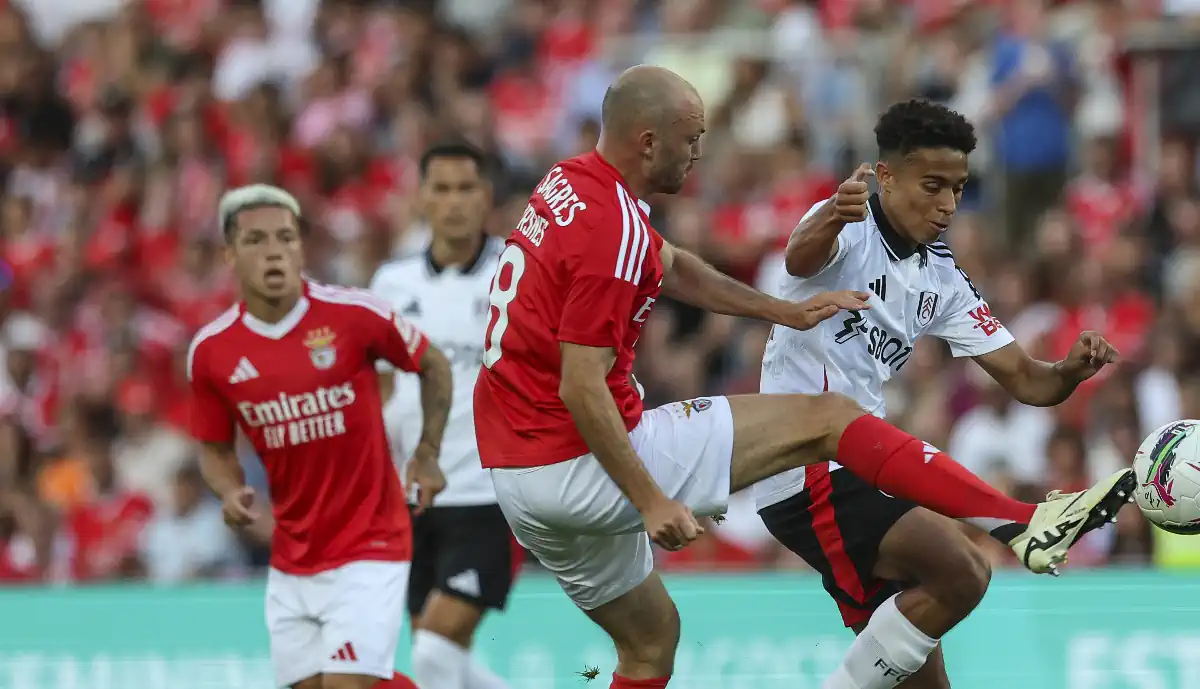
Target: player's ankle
[620, 682]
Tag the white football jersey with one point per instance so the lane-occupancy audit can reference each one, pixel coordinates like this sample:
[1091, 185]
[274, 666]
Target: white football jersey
[450, 306]
[914, 292]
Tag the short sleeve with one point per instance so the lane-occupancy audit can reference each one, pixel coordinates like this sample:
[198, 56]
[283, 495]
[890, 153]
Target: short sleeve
[849, 237]
[211, 418]
[392, 338]
[967, 323]
[381, 287]
[604, 266]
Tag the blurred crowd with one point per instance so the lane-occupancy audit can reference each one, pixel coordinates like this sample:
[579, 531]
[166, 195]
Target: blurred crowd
[121, 121]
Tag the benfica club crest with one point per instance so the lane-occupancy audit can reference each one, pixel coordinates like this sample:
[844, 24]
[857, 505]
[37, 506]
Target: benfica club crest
[320, 347]
[926, 308]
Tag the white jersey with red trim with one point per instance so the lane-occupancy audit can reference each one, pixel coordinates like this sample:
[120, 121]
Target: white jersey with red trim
[914, 292]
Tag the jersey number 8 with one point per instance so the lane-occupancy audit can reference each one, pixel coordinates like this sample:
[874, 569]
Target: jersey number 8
[501, 297]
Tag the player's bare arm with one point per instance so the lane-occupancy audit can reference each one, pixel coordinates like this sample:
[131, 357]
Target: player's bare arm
[223, 473]
[586, 396]
[437, 386]
[1044, 384]
[690, 280]
[814, 242]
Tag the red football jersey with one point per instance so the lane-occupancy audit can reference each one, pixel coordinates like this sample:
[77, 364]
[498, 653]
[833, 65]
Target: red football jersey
[305, 392]
[583, 266]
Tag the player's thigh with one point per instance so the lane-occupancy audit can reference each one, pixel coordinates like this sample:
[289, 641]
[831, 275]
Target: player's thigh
[294, 635]
[776, 433]
[643, 624]
[361, 614]
[931, 550]
[685, 446]
[423, 577]
[836, 524]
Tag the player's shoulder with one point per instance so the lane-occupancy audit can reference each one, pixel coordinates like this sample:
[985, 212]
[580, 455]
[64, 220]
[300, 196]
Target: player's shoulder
[585, 188]
[350, 301]
[399, 271]
[209, 333]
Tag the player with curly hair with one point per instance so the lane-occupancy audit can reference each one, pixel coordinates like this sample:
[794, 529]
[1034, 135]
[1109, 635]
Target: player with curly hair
[903, 576]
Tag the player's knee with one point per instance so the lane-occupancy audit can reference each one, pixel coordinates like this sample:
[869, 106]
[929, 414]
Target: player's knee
[965, 585]
[837, 412]
[652, 645]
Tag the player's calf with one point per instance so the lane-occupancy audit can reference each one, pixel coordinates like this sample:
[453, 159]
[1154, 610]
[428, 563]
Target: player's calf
[441, 653]
[644, 626]
[951, 577]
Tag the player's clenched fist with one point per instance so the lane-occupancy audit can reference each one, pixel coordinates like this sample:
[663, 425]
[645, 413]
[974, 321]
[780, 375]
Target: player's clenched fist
[236, 507]
[850, 201]
[671, 525]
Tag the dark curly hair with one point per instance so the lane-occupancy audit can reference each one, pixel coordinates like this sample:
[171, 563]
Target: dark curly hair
[914, 124]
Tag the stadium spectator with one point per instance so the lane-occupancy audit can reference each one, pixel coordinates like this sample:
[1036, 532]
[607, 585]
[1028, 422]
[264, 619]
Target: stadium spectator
[121, 123]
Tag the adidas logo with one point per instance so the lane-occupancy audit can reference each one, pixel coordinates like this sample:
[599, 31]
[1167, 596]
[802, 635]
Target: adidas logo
[466, 583]
[243, 372]
[879, 286]
[346, 652]
[930, 452]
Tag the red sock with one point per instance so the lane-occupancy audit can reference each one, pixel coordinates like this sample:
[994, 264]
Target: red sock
[901, 465]
[398, 681]
[620, 682]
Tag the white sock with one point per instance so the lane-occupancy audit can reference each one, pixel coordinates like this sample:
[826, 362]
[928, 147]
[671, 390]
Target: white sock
[438, 663]
[884, 654]
[480, 676]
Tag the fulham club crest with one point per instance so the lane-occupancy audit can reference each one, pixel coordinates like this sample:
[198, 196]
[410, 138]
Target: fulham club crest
[926, 308]
[320, 347]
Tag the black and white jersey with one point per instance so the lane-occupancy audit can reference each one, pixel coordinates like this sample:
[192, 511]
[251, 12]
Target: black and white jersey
[914, 292]
[450, 305]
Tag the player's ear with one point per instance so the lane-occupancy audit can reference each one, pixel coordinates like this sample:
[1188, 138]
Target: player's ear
[884, 176]
[646, 141]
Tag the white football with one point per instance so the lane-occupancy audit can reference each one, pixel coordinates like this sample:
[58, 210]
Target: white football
[1168, 476]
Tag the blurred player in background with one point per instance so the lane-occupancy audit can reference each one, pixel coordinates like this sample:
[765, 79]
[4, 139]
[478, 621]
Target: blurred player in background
[293, 366]
[584, 475]
[862, 541]
[464, 555]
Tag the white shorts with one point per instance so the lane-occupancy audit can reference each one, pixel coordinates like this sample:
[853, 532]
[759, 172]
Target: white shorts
[342, 621]
[582, 527]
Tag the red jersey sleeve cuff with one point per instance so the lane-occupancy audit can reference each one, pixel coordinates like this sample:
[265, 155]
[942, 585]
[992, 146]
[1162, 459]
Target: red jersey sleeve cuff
[588, 339]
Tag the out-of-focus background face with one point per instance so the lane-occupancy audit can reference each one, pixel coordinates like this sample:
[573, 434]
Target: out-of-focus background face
[122, 121]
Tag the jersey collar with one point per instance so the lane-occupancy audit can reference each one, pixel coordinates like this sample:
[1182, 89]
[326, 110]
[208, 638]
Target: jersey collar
[279, 329]
[897, 247]
[616, 174]
[467, 268]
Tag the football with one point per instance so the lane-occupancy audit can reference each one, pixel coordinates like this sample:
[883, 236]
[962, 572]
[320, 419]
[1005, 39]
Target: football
[1168, 475]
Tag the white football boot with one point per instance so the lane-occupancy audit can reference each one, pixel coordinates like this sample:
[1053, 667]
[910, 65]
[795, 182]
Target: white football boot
[1060, 521]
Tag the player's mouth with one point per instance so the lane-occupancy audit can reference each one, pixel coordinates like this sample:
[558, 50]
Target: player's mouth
[939, 227]
[274, 277]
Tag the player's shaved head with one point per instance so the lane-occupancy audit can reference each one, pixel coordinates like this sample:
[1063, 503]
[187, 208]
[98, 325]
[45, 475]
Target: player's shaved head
[646, 97]
[651, 123]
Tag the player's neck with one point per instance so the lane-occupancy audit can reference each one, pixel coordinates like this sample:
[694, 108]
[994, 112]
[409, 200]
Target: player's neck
[449, 252]
[270, 310]
[897, 227]
[628, 166]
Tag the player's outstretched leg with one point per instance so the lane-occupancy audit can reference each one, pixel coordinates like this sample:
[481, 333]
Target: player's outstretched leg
[776, 433]
[896, 646]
